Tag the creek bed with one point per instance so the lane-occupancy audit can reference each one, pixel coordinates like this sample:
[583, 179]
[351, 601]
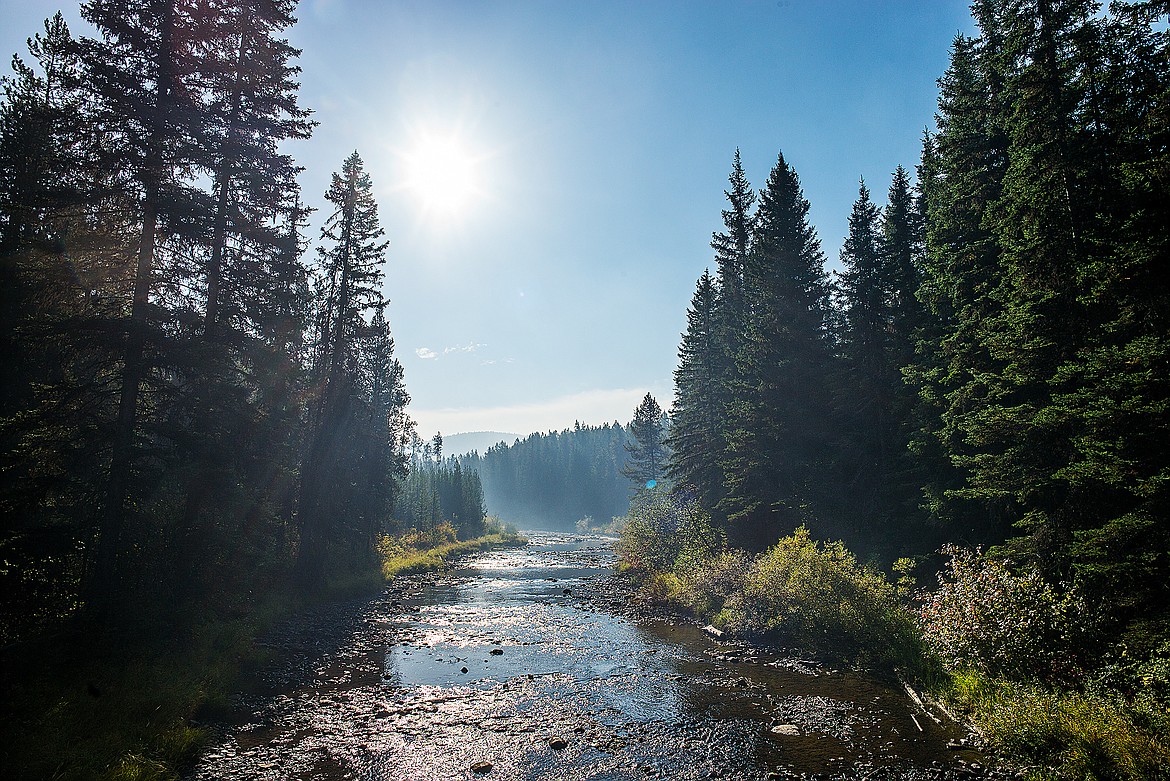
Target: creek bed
[529, 663]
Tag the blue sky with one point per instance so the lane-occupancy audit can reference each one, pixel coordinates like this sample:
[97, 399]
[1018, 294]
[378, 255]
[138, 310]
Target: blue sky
[601, 135]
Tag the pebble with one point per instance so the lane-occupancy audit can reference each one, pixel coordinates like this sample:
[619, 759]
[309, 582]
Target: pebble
[481, 768]
[557, 743]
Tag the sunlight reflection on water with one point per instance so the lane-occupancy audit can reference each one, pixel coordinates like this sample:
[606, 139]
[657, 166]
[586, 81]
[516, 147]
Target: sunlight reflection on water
[517, 608]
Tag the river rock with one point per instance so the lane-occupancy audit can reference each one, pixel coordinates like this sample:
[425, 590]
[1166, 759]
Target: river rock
[481, 768]
[557, 743]
[497, 652]
[785, 729]
[711, 630]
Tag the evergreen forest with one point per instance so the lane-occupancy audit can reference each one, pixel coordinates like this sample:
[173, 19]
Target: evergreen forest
[943, 456]
[554, 480]
[200, 404]
[991, 364]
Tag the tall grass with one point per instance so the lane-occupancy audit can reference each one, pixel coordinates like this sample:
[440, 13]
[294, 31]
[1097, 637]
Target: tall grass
[1059, 735]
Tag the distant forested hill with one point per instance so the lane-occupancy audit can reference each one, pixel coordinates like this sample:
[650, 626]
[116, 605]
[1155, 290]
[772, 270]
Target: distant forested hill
[553, 480]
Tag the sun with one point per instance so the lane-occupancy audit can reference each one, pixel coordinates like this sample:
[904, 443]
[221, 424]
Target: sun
[443, 173]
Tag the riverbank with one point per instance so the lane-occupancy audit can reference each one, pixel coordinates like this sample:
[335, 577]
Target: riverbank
[122, 708]
[1111, 721]
[398, 559]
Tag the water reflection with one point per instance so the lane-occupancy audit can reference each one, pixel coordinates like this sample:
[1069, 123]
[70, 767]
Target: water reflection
[515, 618]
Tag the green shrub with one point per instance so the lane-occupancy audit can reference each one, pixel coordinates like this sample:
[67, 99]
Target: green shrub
[817, 596]
[710, 583]
[662, 587]
[665, 533]
[986, 617]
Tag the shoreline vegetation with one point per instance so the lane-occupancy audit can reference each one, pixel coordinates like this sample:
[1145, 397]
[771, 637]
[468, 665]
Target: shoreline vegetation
[128, 708]
[998, 649]
[429, 551]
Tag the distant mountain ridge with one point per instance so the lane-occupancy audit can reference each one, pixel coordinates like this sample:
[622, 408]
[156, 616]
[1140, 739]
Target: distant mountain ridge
[464, 443]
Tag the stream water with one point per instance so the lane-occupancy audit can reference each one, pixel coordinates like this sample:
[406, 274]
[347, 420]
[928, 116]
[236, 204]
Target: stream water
[530, 663]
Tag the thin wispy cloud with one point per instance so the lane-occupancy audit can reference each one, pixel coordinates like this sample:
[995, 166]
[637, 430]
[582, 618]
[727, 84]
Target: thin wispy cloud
[429, 354]
[470, 347]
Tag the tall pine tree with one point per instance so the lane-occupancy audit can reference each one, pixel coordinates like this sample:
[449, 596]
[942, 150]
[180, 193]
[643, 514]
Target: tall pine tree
[699, 415]
[778, 433]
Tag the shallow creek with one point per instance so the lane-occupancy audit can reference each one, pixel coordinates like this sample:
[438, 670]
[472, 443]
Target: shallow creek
[531, 663]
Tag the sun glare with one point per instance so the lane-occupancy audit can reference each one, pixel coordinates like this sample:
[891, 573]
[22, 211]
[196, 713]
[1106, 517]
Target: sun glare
[443, 174]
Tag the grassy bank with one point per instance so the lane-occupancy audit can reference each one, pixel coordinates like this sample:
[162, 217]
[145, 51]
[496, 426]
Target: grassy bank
[1058, 734]
[414, 553]
[82, 707]
[124, 708]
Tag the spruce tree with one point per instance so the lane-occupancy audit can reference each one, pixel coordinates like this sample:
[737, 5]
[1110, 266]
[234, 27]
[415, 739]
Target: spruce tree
[351, 277]
[731, 253]
[252, 108]
[954, 371]
[648, 455]
[878, 319]
[696, 438]
[148, 110]
[863, 398]
[778, 434]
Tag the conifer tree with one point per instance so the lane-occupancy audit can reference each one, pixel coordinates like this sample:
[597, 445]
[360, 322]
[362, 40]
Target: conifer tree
[954, 372]
[699, 418]
[778, 435]
[731, 254]
[646, 464]
[1045, 358]
[878, 315]
[40, 138]
[148, 111]
[351, 276]
[863, 399]
[900, 244]
[249, 75]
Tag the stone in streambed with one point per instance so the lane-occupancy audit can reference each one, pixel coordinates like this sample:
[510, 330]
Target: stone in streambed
[557, 743]
[481, 768]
